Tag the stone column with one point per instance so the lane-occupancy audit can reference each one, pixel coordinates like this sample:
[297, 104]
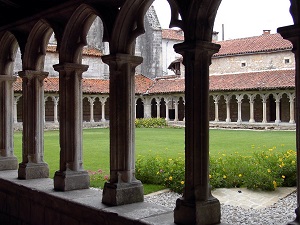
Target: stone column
[16, 99]
[216, 101]
[158, 107]
[123, 187]
[176, 108]
[227, 101]
[8, 161]
[70, 175]
[91, 101]
[292, 33]
[277, 100]
[197, 204]
[239, 102]
[167, 100]
[251, 101]
[103, 101]
[291, 96]
[55, 100]
[264, 101]
[147, 107]
[33, 165]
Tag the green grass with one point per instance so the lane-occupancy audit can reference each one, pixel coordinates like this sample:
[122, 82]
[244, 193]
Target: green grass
[166, 142]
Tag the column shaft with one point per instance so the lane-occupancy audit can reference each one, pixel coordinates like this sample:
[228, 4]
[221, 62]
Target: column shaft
[8, 161]
[71, 175]
[122, 188]
[33, 165]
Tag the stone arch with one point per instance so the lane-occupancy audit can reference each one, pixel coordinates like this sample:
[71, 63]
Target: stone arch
[285, 108]
[154, 108]
[74, 36]
[8, 49]
[35, 48]
[181, 109]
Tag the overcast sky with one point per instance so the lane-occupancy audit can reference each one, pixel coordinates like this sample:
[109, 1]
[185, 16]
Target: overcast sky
[241, 18]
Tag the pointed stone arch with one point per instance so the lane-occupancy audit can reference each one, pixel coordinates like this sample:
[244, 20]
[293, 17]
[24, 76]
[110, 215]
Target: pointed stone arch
[35, 49]
[8, 49]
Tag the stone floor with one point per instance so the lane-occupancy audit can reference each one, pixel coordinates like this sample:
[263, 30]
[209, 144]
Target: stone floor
[246, 198]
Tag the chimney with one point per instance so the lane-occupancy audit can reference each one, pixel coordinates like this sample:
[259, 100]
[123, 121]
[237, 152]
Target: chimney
[266, 32]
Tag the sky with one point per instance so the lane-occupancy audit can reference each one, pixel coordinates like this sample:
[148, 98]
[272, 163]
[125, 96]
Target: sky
[240, 18]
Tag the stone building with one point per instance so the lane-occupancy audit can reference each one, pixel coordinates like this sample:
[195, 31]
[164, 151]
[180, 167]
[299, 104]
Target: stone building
[27, 195]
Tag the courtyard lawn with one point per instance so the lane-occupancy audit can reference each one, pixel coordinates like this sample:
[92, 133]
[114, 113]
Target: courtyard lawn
[166, 142]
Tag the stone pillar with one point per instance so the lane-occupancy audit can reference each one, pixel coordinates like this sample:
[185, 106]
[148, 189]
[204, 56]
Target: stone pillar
[16, 99]
[55, 100]
[8, 161]
[91, 101]
[158, 107]
[33, 165]
[264, 101]
[277, 100]
[239, 102]
[167, 100]
[227, 101]
[251, 101]
[103, 101]
[197, 206]
[216, 101]
[147, 107]
[292, 33]
[123, 187]
[291, 96]
[176, 108]
[70, 175]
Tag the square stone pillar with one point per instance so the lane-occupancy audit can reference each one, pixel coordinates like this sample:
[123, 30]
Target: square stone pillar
[33, 165]
[292, 33]
[197, 206]
[8, 161]
[123, 187]
[71, 175]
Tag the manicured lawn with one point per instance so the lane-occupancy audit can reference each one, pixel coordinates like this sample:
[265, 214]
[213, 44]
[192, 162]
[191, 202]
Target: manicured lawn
[167, 142]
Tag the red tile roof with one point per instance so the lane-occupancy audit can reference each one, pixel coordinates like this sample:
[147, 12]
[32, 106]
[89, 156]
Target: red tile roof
[172, 34]
[263, 43]
[142, 84]
[276, 79]
[167, 85]
[86, 51]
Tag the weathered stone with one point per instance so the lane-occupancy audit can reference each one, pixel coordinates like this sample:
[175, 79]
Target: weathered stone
[71, 180]
[33, 170]
[8, 163]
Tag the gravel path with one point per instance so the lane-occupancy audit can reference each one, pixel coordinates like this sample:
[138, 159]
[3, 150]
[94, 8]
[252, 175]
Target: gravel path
[278, 214]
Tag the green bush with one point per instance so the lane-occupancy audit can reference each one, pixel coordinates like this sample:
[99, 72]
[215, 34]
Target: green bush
[150, 123]
[264, 170]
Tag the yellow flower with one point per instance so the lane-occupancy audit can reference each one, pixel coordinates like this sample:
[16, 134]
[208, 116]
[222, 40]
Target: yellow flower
[283, 176]
[240, 175]
[224, 177]
[269, 171]
[182, 182]
[209, 176]
[157, 173]
[293, 162]
[170, 178]
[274, 183]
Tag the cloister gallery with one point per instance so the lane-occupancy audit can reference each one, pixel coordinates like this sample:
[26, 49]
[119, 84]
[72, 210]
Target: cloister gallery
[29, 196]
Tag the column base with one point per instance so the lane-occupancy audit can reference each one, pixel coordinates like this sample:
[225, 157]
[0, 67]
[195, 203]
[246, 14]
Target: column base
[201, 213]
[33, 171]
[8, 163]
[123, 193]
[71, 180]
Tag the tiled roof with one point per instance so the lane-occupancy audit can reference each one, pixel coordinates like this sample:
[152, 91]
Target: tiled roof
[86, 51]
[167, 85]
[263, 80]
[275, 79]
[263, 43]
[172, 34]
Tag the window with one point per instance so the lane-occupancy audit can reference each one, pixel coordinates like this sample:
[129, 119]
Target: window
[243, 64]
[287, 60]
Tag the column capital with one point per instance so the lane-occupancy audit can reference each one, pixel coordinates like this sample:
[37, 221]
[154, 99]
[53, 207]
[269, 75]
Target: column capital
[120, 59]
[71, 67]
[8, 78]
[291, 33]
[30, 74]
[210, 47]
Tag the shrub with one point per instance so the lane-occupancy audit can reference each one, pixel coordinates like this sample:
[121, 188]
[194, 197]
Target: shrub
[265, 170]
[98, 178]
[150, 123]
